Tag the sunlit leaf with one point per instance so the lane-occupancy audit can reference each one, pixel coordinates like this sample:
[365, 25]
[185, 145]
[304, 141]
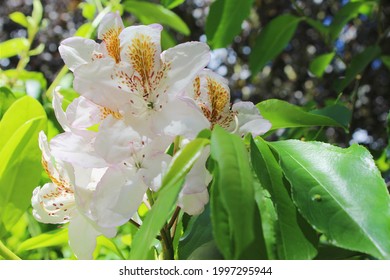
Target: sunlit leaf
[319, 64]
[13, 47]
[271, 41]
[152, 13]
[170, 4]
[37, 12]
[6, 100]
[340, 192]
[224, 21]
[56, 237]
[19, 18]
[235, 217]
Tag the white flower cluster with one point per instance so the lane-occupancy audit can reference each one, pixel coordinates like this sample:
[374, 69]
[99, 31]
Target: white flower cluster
[134, 102]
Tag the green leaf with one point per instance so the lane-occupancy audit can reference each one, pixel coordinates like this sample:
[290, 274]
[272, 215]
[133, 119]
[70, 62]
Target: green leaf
[56, 237]
[6, 100]
[282, 114]
[319, 64]
[152, 13]
[167, 40]
[37, 12]
[20, 165]
[25, 75]
[344, 15]
[235, 217]
[109, 244]
[358, 64]
[340, 192]
[224, 21]
[13, 47]
[271, 41]
[386, 60]
[170, 4]
[337, 112]
[84, 30]
[324, 30]
[36, 51]
[88, 10]
[167, 197]
[19, 18]
[292, 242]
[197, 242]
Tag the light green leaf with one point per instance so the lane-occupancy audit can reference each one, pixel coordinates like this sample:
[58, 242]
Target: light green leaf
[25, 75]
[235, 217]
[152, 13]
[109, 244]
[84, 30]
[37, 12]
[170, 4]
[38, 50]
[167, 197]
[88, 10]
[167, 40]
[340, 192]
[19, 18]
[319, 64]
[224, 21]
[20, 165]
[282, 114]
[6, 100]
[292, 242]
[358, 64]
[56, 237]
[13, 47]
[271, 41]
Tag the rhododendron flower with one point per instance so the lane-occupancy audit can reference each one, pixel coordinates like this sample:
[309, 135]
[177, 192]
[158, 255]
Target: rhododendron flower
[93, 201]
[212, 94]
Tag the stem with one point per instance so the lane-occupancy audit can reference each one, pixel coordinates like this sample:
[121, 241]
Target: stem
[7, 253]
[174, 217]
[166, 243]
[55, 83]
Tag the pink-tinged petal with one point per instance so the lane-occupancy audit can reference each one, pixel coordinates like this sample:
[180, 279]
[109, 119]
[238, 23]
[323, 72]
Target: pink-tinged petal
[250, 120]
[180, 116]
[109, 29]
[118, 195]
[52, 205]
[193, 204]
[77, 150]
[76, 51]
[60, 114]
[115, 142]
[185, 61]
[82, 114]
[96, 81]
[140, 47]
[82, 237]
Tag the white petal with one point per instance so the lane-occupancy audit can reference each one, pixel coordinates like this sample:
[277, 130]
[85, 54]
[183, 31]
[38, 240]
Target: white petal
[60, 114]
[117, 197]
[193, 204]
[82, 237]
[181, 116]
[186, 60]
[82, 114]
[110, 21]
[250, 120]
[76, 51]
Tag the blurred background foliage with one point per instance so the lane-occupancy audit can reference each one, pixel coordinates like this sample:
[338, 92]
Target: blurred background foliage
[329, 57]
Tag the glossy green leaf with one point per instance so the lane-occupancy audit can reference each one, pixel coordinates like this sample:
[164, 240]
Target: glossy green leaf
[20, 165]
[340, 192]
[271, 41]
[152, 13]
[198, 242]
[344, 15]
[13, 47]
[358, 64]
[234, 214]
[56, 237]
[167, 197]
[319, 64]
[6, 100]
[170, 4]
[19, 18]
[337, 112]
[224, 21]
[282, 114]
[292, 242]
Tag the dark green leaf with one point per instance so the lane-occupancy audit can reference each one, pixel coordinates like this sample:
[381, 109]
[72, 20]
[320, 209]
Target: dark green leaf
[6, 100]
[167, 197]
[152, 13]
[319, 64]
[358, 64]
[20, 165]
[324, 30]
[340, 192]
[291, 240]
[271, 41]
[285, 115]
[13, 47]
[224, 21]
[337, 112]
[235, 217]
[386, 60]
